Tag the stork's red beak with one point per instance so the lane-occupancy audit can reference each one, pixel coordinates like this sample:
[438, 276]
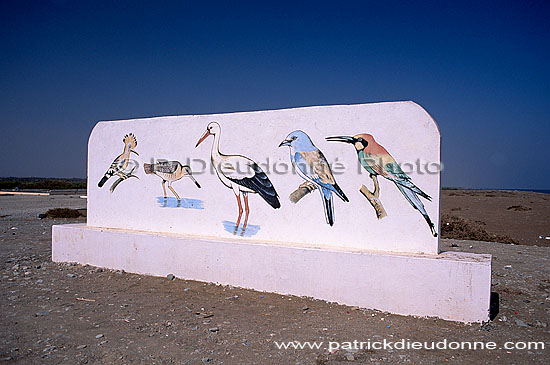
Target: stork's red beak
[206, 134]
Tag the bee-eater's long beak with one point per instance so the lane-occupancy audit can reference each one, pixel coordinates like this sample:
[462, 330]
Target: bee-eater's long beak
[346, 139]
[206, 134]
[286, 142]
[134, 152]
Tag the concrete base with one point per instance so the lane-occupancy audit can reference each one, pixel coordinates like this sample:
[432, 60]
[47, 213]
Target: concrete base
[452, 286]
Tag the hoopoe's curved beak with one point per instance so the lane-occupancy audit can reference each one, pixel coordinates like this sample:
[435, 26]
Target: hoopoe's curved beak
[134, 152]
[345, 139]
[204, 136]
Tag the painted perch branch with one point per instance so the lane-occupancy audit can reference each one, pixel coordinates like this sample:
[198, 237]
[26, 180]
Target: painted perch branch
[374, 198]
[302, 190]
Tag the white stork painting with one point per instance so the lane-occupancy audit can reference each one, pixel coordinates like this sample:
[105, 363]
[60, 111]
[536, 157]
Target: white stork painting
[240, 174]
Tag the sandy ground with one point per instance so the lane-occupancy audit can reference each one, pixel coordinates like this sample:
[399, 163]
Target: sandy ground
[56, 313]
[523, 216]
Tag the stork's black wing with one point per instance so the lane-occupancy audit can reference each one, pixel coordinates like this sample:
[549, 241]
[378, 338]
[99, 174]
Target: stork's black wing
[260, 183]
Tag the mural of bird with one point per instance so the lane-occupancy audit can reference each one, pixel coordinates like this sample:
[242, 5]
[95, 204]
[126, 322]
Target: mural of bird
[170, 171]
[122, 166]
[240, 174]
[310, 163]
[378, 162]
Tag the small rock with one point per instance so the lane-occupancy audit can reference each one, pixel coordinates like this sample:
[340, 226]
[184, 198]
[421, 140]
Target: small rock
[186, 289]
[305, 308]
[103, 342]
[170, 277]
[98, 269]
[508, 266]
[80, 347]
[206, 359]
[71, 275]
[454, 245]
[350, 357]
[41, 314]
[214, 329]
[520, 323]
[99, 336]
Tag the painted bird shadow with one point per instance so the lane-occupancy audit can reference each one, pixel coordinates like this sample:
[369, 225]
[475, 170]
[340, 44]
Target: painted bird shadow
[183, 203]
[250, 231]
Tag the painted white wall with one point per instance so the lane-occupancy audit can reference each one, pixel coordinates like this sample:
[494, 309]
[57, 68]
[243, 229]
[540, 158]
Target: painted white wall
[405, 129]
[452, 285]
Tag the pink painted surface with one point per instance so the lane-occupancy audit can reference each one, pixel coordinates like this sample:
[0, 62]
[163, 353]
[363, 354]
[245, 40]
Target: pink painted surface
[452, 286]
[405, 129]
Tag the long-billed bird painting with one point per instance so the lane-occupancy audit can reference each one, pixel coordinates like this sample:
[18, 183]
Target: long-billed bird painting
[122, 166]
[240, 174]
[312, 166]
[170, 171]
[378, 162]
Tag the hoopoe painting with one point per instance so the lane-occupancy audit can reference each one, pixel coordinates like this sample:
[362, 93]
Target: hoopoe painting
[170, 171]
[122, 166]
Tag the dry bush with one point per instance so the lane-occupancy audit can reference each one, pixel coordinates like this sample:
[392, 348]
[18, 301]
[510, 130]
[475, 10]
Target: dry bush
[465, 229]
[519, 208]
[62, 213]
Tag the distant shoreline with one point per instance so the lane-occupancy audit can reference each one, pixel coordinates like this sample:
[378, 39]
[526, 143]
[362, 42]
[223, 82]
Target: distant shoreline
[542, 191]
[54, 183]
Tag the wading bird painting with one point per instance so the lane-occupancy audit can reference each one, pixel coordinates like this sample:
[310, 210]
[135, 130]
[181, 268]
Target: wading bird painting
[312, 166]
[378, 162]
[170, 171]
[240, 174]
[122, 166]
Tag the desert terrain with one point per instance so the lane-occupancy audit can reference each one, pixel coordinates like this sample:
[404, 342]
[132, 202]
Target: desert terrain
[63, 313]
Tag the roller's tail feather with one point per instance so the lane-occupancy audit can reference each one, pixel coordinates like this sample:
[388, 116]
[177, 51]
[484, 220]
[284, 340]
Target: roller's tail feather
[328, 205]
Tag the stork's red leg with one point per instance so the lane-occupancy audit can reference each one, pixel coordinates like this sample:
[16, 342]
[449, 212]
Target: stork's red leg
[245, 196]
[240, 211]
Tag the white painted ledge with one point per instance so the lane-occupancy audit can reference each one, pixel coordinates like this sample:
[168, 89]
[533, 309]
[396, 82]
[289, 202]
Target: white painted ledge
[452, 286]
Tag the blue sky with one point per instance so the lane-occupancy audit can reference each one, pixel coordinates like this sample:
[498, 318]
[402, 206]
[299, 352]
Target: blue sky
[479, 68]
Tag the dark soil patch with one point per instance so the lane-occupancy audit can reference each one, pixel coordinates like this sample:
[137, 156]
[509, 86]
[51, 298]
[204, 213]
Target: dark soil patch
[63, 213]
[466, 229]
[518, 208]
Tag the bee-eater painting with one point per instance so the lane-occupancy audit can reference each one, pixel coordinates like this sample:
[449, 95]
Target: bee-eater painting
[378, 162]
[122, 166]
[312, 166]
